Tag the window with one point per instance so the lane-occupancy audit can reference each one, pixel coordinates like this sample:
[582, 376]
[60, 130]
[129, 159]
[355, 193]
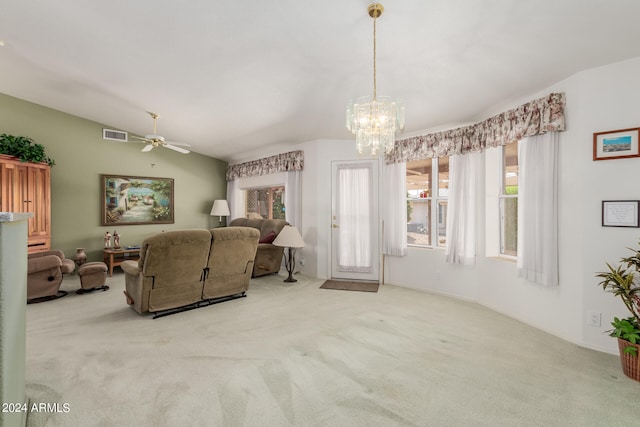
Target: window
[508, 200]
[424, 179]
[265, 203]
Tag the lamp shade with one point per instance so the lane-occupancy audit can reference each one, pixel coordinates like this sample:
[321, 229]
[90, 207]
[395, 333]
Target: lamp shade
[289, 237]
[220, 208]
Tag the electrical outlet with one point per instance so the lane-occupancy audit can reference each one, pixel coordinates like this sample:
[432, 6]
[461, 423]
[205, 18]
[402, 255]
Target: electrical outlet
[594, 318]
[437, 275]
[301, 262]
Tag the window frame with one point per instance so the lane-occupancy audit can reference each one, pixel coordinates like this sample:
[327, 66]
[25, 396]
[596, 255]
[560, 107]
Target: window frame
[270, 190]
[433, 201]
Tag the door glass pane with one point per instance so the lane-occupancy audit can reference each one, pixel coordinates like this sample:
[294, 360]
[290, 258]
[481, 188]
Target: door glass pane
[354, 213]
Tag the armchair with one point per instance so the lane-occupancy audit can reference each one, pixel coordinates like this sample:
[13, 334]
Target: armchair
[268, 257]
[44, 275]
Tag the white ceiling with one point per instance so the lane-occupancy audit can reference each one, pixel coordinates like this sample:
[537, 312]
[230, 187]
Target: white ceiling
[232, 76]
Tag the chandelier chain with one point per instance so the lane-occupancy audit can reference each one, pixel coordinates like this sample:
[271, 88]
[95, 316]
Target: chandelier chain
[374, 58]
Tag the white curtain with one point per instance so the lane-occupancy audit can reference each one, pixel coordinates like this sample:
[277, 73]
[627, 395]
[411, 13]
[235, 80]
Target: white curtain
[538, 209]
[394, 209]
[461, 212]
[233, 200]
[292, 196]
[354, 211]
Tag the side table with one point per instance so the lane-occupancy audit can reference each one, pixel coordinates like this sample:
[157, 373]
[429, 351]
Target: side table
[115, 257]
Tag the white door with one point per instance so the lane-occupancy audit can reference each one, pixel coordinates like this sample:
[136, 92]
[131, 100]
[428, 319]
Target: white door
[354, 220]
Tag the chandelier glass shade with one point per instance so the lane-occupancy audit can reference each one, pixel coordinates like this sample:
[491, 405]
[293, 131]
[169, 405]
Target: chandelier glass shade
[374, 120]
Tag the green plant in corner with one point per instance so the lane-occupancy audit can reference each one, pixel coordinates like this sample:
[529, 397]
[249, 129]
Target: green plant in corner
[627, 329]
[621, 281]
[24, 149]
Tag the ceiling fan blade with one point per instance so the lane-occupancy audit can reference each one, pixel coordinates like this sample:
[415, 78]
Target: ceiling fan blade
[179, 144]
[147, 148]
[140, 138]
[178, 149]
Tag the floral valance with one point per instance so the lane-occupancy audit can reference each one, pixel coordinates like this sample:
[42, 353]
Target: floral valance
[286, 162]
[533, 118]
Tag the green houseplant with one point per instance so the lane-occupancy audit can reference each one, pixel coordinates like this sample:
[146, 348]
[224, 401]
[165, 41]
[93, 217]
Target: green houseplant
[622, 282]
[24, 149]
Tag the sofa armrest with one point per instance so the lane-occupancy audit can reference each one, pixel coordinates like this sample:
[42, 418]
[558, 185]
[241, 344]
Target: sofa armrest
[46, 262]
[136, 286]
[130, 267]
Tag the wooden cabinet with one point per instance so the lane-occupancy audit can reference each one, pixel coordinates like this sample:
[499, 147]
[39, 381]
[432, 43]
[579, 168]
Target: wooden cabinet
[26, 187]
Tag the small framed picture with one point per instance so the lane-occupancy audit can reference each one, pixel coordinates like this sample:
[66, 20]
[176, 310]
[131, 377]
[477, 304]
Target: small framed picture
[620, 213]
[616, 144]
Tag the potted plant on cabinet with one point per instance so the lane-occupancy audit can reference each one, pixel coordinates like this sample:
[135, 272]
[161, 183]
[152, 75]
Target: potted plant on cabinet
[24, 149]
[621, 281]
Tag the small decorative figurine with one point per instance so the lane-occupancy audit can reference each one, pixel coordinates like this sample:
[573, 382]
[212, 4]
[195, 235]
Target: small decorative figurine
[107, 240]
[116, 240]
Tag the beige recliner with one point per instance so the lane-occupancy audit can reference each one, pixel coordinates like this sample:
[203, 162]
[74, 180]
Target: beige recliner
[230, 263]
[268, 256]
[44, 275]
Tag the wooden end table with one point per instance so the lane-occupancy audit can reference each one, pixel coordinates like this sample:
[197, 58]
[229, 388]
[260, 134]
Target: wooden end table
[115, 257]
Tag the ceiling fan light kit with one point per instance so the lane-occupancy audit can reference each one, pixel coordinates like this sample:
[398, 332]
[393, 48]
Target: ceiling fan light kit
[374, 119]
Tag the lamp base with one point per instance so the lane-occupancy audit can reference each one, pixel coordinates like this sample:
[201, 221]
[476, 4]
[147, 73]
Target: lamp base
[290, 264]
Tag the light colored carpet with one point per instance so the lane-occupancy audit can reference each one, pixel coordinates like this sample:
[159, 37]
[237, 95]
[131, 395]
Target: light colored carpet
[340, 285]
[296, 355]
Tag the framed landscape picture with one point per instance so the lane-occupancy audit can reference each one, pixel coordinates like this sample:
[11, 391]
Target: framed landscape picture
[135, 200]
[616, 144]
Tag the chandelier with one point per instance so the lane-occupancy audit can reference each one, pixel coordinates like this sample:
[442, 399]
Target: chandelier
[374, 120]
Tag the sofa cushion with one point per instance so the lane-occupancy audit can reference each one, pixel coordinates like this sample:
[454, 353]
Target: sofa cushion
[175, 257]
[265, 226]
[271, 225]
[229, 245]
[269, 238]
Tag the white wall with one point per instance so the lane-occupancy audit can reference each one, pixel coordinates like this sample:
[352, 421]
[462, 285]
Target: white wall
[600, 99]
[316, 201]
[316, 197]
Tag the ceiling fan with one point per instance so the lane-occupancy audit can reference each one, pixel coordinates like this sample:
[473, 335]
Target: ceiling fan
[155, 140]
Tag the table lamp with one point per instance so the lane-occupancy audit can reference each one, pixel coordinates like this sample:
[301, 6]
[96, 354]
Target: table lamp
[290, 238]
[220, 208]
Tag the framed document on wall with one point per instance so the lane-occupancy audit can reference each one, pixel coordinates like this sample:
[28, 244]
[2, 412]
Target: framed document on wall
[620, 213]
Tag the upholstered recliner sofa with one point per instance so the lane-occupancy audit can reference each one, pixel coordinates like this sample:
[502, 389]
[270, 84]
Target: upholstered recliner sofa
[185, 268]
[268, 256]
[44, 275]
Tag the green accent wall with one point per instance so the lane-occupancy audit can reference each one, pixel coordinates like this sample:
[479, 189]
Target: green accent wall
[81, 155]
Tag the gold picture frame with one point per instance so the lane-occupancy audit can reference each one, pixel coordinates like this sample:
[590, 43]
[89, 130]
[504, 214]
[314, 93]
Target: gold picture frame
[136, 200]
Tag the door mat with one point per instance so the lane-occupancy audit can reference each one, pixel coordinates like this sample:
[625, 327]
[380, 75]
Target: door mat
[350, 286]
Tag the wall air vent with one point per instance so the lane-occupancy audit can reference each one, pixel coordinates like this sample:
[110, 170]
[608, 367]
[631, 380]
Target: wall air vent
[115, 135]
